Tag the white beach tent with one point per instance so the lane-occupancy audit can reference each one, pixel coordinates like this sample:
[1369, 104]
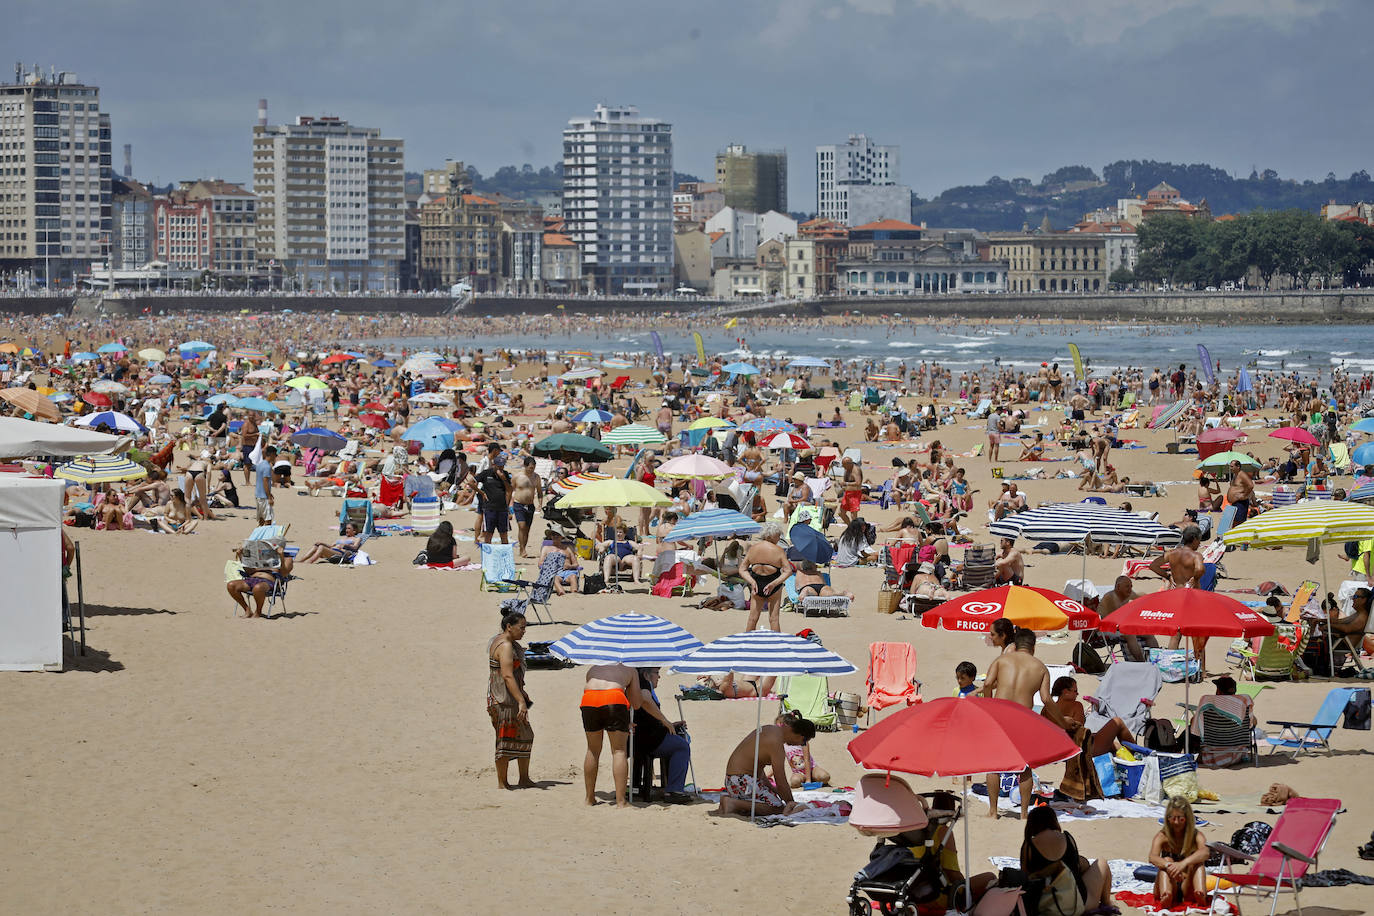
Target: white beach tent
[31, 568]
[21, 438]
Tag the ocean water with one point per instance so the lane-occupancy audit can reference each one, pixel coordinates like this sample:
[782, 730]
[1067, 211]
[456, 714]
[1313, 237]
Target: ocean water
[1306, 349]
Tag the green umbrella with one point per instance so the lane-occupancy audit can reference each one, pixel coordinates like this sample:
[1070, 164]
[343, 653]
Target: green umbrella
[1222, 459]
[572, 443]
[633, 434]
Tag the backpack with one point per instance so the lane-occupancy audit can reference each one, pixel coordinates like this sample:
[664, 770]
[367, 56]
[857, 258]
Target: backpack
[1357, 710]
[1086, 659]
[1158, 735]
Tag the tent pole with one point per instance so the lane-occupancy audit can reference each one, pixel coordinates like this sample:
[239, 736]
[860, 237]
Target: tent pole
[1187, 693]
[1330, 647]
[968, 880]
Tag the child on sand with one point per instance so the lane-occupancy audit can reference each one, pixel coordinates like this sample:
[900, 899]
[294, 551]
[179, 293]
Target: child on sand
[966, 676]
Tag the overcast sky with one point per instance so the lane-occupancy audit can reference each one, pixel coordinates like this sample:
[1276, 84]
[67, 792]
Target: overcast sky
[966, 88]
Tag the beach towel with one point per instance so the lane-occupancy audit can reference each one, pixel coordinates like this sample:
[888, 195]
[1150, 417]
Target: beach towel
[1096, 810]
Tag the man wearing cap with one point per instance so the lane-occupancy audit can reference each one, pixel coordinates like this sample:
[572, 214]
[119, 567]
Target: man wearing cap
[493, 499]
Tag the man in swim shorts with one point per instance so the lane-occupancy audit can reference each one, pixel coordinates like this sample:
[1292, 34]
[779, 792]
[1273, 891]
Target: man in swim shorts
[526, 491]
[746, 784]
[610, 693]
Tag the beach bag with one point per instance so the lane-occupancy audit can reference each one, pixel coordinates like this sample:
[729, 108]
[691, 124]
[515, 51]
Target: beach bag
[1158, 735]
[1105, 764]
[1357, 710]
[1178, 776]
[1086, 659]
[1149, 790]
[888, 600]
[592, 583]
[1061, 897]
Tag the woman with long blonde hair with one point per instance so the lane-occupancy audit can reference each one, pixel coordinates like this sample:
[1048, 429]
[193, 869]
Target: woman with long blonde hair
[1179, 852]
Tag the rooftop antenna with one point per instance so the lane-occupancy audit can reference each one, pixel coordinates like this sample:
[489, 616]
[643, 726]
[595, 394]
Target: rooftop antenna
[262, 112]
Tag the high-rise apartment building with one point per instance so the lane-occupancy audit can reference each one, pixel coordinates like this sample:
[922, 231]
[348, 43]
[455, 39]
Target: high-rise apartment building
[330, 202]
[753, 182]
[618, 199]
[131, 235]
[55, 197]
[858, 182]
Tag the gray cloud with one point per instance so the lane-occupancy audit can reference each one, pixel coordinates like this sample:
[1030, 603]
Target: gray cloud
[968, 89]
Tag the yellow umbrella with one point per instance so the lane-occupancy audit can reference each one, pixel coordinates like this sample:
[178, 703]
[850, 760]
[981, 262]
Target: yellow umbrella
[307, 383]
[9, 346]
[710, 423]
[457, 383]
[617, 492]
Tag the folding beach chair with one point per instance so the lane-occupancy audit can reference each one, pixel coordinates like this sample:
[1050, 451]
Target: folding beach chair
[498, 568]
[359, 512]
[1272, 658]
[981, 411]
[891, 676]
[980, 567]
[810, 696]
[535, 596]
[424, 514]
[1308, 736]
[813, 605]
[1226, 731]
[896, 554]
[233, 569]
[1291, 849]
[1127, 690]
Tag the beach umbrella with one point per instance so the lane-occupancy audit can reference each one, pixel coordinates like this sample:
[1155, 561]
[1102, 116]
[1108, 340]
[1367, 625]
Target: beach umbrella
[695, 467]
[710, 423]
[1190, 612]
[785, 440]
[567, 484]
[740, 369]
[1025, 606]
[355, 354]
[228, 400]
[30, 401]
[764, 653]
[1294, 434]
[200, 383]
[336, 358]
[246, 391]
[592, 415]
[251, 354]
[107, 386]
[583, 353]
[713, 523]
[432, 398]
[1361, 493]
[257, 404]
[112, 347]
[1364, 425]
[457, 383]
[1223, 459]
[962, 736]
[637, 640]
[375, 420]
[20, 438]
[376, 406]
[431, 434]
[808, 362]
[416, 363]
[318, 438]
[1363, 454]
[764, 425]
[113, 419]
[383, 364]
[581, 374]
[96, 399]
[100, 469]
[196, 346]
[306, 383]
[263, 373]
[84, 356]
[1166, 415]
[615, 491]
[1071, 522]
[885, 378]
[616, 362]
[428, 355]
[808, 544]
[152, 354]
[9, 346]
[160, 379]
[633, 434]
[571, 444]
[1220, 434]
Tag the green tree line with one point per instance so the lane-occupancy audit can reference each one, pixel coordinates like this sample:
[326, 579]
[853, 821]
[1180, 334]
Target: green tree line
[1298, 245]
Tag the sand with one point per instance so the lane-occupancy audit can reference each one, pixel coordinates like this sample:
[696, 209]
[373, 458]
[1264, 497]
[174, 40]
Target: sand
[338, 759]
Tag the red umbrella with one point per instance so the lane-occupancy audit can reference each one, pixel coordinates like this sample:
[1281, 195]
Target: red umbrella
[96, 399]
[1025, 606]
[336, 358]
[1186, 612]
[785, 440]
[1294, 434]
[962, 736]
[374, 405]
[1220, 434]
[375, 420]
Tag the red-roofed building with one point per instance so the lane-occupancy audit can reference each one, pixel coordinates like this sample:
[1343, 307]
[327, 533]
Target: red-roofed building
[460, 233]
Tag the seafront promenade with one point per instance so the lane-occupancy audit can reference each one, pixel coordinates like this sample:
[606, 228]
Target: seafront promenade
[1281, 307]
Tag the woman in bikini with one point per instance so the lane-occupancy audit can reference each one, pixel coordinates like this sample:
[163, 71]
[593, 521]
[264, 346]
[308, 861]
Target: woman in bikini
[1179, 851]
[765, 569]
[611, 692]
[811, 583]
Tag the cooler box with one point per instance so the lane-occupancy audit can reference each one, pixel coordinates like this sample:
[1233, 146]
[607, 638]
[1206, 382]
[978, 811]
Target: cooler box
[1130, 773]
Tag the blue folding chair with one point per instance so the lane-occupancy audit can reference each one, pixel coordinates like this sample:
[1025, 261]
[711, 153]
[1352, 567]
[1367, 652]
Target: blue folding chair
[1308, 736]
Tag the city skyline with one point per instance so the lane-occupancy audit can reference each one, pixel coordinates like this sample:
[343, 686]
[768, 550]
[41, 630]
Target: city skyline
[1014, 89]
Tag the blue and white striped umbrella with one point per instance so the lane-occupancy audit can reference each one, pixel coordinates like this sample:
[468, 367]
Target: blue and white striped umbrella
[113, 419]
[1361, 494]
[767, 425]
[808, 362]
[593, 415]
[1065, 523]
[740, 369]
[764, 653]
[638, 640]
[713, 523]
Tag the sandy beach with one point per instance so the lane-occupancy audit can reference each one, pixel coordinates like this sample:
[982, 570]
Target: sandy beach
[338, 758]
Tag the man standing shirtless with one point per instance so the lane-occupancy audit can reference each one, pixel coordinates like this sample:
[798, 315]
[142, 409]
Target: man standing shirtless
[1018, 676]
[1185, 569]
[526, 492]
[1240, 492]
[745, 780]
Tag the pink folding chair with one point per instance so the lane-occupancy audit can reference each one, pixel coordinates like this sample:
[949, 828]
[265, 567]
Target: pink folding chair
[891, 676]
[1292, 848]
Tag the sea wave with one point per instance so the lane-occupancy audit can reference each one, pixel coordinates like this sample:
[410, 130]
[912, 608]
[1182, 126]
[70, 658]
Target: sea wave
[856, 341]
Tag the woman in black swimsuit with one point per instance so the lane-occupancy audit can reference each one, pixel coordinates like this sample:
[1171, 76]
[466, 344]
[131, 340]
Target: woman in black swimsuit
[765, 569]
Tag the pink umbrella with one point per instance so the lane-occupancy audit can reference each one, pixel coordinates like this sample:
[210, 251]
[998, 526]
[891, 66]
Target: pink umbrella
[1294, 434]
[695, 467]
[785, 440]
[1220, 434]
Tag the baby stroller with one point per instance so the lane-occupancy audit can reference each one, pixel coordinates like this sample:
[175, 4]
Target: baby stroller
[895, 882]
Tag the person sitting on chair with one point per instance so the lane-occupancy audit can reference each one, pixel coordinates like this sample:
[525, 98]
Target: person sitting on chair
[811, 583]
[619, 554]
[1010, 565]
[569, 577]
[258, 582]
[342, 548]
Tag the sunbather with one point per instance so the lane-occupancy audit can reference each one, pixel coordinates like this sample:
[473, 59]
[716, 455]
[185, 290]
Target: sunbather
[1180, 851]
[258, 583]
[342, 548]
[1107, 738]
[811, 583]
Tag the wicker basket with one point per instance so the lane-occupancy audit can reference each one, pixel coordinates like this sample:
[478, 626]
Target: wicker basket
[888, 600]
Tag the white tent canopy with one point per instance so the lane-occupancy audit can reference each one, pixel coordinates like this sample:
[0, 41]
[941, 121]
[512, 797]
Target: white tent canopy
[27, 438]
[31, 568]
